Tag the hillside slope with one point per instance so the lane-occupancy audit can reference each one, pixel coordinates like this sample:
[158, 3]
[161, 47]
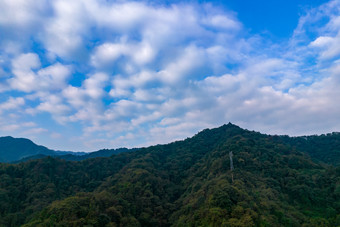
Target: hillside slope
[324, 148]
[185, 183]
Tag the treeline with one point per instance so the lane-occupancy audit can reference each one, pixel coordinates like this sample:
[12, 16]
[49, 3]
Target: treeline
[185, 183]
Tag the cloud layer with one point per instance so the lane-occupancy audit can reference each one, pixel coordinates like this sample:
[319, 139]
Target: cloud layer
[91, 74]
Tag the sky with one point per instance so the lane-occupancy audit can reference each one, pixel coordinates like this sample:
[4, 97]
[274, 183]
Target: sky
[86, 75]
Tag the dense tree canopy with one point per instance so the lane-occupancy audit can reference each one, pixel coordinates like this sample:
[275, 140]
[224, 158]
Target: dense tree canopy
[277, 182]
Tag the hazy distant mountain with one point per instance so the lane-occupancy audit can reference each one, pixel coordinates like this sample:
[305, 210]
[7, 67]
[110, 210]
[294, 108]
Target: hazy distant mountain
[21, 149]
[13, 149]
[95, 154]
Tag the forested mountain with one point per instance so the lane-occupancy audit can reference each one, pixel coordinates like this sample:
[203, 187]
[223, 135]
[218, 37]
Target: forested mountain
[186, 183]
[13, 149]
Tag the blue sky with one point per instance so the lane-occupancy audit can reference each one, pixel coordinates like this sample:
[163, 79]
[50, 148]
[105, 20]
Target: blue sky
[84, 75]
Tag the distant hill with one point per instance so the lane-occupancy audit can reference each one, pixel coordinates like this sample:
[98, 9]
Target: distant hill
[95, 154]
[13, 149]
[274, 182]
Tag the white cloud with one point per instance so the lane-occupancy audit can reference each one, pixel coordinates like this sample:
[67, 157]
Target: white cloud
[28, 78]
[9, 127]
[23, 65]
[329, 46]
[149, 95]
[26, 62]
[12, 103]
[94, 85]
[322, 41]
[33, 131]
[107, 53]
[222, 21]
[143, 54]
[183, 67]
[120, 16]
[124, 110]
[53, 77]
[146, 118]
[63, 32]
[91, 90]
[86, 101]
[75, 96]
[20, 12]
[53, 104]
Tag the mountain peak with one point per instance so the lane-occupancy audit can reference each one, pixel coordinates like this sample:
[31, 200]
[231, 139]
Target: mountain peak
[231, 125]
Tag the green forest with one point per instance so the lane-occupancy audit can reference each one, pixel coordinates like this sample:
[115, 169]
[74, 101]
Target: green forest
[276, 181]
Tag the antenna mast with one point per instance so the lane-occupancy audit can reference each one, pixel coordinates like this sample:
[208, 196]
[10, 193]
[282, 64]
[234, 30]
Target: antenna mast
[231, 166]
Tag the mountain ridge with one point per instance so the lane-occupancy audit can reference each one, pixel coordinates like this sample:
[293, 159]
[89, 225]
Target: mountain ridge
[30, 150]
